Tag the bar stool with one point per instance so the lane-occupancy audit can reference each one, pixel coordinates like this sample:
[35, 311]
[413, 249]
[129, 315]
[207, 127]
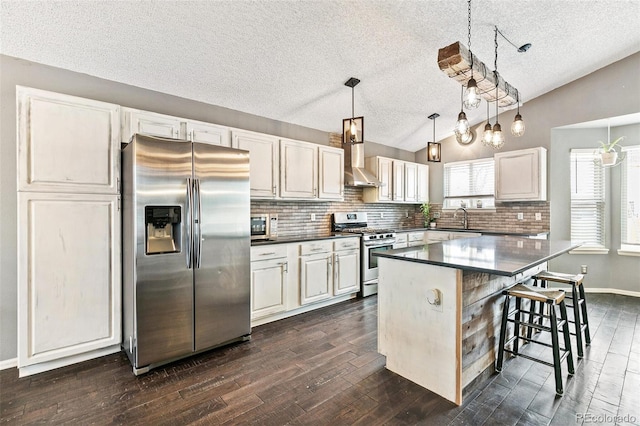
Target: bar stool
[553, 298]
[578, 304]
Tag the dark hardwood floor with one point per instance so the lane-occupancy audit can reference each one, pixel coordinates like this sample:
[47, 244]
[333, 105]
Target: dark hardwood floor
[322, 368]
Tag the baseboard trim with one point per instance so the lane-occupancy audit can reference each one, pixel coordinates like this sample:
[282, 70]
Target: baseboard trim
[612, 291]
[8, 363]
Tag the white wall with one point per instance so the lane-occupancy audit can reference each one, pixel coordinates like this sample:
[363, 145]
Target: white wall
[609, 271]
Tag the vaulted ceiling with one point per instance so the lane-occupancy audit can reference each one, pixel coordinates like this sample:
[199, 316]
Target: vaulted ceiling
[288, 60]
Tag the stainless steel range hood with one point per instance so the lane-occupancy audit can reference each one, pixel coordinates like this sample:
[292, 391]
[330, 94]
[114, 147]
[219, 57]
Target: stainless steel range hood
[354, 172]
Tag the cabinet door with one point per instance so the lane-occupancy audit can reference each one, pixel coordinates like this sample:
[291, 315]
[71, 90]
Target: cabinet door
[331, 173]
[298, 172]
[150, 123]
[521, 175]
[423, 183]
[346, 266]
[67, 144]
[69, 275]
[398, 181]
[263, 162]
[385, 175]
[315, 278]
[268, 287]
[411, 182]
[198, 131]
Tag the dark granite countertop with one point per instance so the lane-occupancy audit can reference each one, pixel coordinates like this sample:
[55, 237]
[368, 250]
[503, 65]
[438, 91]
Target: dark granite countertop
[477, 231]
[500, 255]
[303, 238]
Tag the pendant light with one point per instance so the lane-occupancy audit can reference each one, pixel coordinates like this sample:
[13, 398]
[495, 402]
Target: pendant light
[471, 96]
[352, 128]
[497, 140]
[487, 135]
[434, 148]
[517, 127]
[462, 125]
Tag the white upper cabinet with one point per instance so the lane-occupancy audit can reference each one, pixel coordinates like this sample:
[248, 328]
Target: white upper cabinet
[382, 168]
[521, 175]
[263, 161]
[150, 123]
[398, 180]
[330, 173]
[423, 183]
[401, 181]
[66, 143]
[410, 182]
[199, 131]
[298, 169]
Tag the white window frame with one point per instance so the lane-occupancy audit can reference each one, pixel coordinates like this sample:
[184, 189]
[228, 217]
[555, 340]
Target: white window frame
[627, 248]
[473, 199]
[589, 201]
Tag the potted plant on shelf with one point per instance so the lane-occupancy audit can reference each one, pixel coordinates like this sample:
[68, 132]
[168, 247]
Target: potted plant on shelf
[608, 153]
[429, 220]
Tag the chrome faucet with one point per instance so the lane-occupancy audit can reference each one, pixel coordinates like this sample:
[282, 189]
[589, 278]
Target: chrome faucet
[465, 219]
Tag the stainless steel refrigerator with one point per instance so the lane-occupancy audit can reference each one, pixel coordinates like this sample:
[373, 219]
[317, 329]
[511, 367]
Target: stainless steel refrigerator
[186, 242]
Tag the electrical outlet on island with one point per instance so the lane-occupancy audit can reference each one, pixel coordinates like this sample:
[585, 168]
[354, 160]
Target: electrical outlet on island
[313, 217]
[520, 216]
[538, 216]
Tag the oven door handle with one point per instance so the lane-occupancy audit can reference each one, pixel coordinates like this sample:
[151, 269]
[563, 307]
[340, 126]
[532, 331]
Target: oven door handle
[380, 243]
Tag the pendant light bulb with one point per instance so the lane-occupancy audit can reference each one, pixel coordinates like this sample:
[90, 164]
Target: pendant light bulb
[471, 98]
[487, 136]
[462, 125]
[498, 138]
[517, 127]
[353, 131]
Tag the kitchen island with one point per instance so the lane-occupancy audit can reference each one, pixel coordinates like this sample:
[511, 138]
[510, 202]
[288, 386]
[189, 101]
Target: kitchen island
[446, 344]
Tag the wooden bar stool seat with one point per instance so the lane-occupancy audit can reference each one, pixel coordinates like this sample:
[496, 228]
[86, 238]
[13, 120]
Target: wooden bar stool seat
[578, 304]
[555, 300]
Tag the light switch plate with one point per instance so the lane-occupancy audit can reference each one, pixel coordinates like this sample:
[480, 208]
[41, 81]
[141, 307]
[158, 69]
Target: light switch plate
[313, 217]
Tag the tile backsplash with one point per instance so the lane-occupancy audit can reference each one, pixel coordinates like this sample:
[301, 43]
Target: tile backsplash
[294, 217]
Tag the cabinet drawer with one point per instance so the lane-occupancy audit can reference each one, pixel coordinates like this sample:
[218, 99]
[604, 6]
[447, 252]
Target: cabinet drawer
[437, 236]
[346, 244]
[269, 251]
[415, 236]
[316, 247]
[401, 238]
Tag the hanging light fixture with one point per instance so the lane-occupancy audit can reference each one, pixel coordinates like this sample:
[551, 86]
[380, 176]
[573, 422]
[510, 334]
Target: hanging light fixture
[471, 96]
[434, 148]
[487, 135]
[462, 125]
[517, 127]
[497, 139]
[352, 128]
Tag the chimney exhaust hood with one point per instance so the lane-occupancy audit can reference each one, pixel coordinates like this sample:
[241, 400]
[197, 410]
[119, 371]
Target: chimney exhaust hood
[354, 172]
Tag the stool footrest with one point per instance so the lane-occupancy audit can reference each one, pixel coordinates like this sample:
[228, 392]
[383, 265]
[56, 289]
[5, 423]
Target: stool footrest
[561, 322]
[563, 355]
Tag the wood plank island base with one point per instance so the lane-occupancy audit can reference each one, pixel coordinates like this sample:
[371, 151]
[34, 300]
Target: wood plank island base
[445, 346]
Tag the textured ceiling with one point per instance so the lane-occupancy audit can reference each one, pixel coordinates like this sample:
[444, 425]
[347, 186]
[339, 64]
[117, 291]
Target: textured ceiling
[288, 60]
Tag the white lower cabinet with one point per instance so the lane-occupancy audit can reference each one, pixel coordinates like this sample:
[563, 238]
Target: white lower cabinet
[69, 275]
[315, 271]
[346, 266]
[269, 270]
[291, 278]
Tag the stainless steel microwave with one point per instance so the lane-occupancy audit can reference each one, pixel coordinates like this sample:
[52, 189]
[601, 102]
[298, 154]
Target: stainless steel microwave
[264, 226]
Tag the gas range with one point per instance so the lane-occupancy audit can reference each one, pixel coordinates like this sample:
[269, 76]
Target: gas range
[372, 239]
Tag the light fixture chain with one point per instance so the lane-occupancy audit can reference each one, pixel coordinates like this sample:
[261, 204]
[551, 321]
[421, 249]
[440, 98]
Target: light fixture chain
[469, 33]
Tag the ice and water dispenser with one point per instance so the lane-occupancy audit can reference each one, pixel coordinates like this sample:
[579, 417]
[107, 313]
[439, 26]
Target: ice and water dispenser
[163, 229]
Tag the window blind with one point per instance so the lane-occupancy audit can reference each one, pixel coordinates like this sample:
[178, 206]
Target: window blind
[469, 178]
[630, 198]
[587, 199]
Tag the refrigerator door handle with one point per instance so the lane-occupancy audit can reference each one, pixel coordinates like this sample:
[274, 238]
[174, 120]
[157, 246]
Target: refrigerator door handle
[199, 222]
[189, 224]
